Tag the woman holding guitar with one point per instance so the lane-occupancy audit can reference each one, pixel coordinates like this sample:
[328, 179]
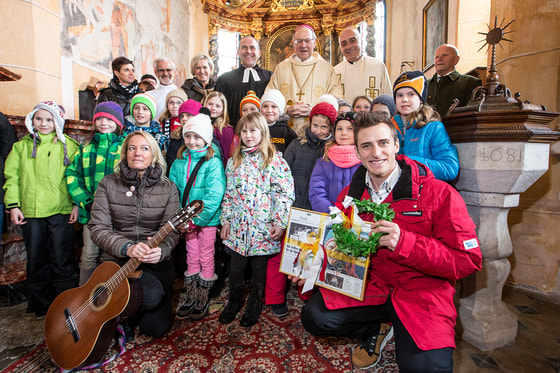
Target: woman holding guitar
[129, 208]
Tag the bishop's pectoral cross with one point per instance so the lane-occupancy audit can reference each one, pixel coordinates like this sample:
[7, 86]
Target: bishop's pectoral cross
[301, 93]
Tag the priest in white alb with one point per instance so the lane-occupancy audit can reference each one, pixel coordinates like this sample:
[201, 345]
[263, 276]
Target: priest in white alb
[304, 76]
[359, 74]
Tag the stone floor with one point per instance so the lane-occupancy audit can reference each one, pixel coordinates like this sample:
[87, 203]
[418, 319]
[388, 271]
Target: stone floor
[536, 349]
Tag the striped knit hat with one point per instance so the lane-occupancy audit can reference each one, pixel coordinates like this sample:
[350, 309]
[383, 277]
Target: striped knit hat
[145, 99]
[412, 79]
[110, 110]
[251, 98]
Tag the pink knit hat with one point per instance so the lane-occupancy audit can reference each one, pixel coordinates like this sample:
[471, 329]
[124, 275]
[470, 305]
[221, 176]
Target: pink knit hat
[191, 107]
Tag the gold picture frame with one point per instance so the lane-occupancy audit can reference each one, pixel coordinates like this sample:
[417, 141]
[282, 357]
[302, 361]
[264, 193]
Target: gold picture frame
[279, 46]
[434, 30]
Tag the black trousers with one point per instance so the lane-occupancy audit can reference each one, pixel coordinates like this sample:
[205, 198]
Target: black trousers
[155, 313]
[51, 266]
[363, 322]
[237, 268]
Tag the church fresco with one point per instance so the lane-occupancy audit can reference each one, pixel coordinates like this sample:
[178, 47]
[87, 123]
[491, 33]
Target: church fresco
[94, 32]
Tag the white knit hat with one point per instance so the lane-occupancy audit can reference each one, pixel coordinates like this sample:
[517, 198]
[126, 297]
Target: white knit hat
[57, 112]
[276, 97]
[201, 125]
[329, 99]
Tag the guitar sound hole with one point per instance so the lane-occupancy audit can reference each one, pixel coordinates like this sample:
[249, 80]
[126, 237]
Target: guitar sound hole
[100, 297]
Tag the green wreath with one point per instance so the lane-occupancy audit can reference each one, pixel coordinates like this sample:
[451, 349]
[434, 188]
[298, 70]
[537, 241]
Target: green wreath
[349, 243]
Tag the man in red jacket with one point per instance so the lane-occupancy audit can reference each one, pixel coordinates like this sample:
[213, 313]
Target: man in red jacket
[429, 245]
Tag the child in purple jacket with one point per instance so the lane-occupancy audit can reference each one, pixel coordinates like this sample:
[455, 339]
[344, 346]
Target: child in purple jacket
[334, 171]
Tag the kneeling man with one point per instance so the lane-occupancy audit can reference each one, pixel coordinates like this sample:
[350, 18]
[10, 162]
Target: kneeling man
[429, 245]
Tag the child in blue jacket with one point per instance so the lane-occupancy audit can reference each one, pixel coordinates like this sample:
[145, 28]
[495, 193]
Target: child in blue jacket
[209, 186]
[422, 136]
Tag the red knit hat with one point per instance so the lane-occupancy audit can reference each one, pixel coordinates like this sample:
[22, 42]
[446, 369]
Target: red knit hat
[325, 109]
[251, 98]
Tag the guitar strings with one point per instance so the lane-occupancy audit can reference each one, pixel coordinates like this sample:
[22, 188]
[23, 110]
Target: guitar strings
[112, 284]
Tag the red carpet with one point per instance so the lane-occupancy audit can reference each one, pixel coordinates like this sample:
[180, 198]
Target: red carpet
[273, 345]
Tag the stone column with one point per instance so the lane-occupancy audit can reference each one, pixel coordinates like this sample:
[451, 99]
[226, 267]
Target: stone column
[493, 174]
[370, 37]
[213, 46]
[327, 28]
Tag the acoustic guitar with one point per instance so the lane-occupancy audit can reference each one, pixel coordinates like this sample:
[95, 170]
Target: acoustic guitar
[81, 322]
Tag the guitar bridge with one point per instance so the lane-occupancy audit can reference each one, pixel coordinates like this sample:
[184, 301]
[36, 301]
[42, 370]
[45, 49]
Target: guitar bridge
[71, 325]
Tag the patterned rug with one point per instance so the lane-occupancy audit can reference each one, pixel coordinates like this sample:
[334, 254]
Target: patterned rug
[272, 345]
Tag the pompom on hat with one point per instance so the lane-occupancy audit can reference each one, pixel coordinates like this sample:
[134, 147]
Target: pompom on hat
[201, 125]
[276, 97]
[191, 107]
[330, 99]
[57, 112]
[110, 110]
[145, 99]
[325, 109]
[412, 79]
[250, 98]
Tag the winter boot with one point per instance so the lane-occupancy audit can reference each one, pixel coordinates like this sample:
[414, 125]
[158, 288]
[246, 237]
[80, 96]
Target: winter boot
[254, 305]
[235, 302]
[191, 289]
[201, 302]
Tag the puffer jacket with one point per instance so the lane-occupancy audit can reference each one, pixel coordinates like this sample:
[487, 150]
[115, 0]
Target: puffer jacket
[209, 184]
[302, 159]
[437, 246]
[255, 201]
[328, 180]
[127, 210]
[92, 163]
[431, 146]
[38, 185]
[194, 89]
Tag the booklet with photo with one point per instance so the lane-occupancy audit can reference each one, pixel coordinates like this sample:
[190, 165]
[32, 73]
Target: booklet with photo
[310, 252]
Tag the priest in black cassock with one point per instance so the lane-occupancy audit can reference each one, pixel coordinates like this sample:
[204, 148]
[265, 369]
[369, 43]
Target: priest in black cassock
[235, 84]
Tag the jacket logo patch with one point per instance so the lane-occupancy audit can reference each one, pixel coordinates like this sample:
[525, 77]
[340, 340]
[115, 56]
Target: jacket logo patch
[470, 244]
[412, 213]
[416, 139]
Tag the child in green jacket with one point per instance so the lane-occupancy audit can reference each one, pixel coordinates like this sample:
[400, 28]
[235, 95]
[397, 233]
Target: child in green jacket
[96, 159]
[209, 186]
[37, 197]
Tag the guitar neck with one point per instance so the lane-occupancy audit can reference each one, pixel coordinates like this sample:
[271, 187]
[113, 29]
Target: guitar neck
[133, 263]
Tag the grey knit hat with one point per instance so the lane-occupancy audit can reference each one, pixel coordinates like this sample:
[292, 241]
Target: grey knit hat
[386, 100]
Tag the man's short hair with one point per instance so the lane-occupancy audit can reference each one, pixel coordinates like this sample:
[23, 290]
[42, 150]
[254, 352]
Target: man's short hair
[119, 62]
[252, 37]
[452, 47]
[307, 27]
[163, 59]
[371, 119]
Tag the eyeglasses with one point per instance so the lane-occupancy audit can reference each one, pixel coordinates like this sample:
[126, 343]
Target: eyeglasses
[306, 41]
[174, 103]
[164, 70]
